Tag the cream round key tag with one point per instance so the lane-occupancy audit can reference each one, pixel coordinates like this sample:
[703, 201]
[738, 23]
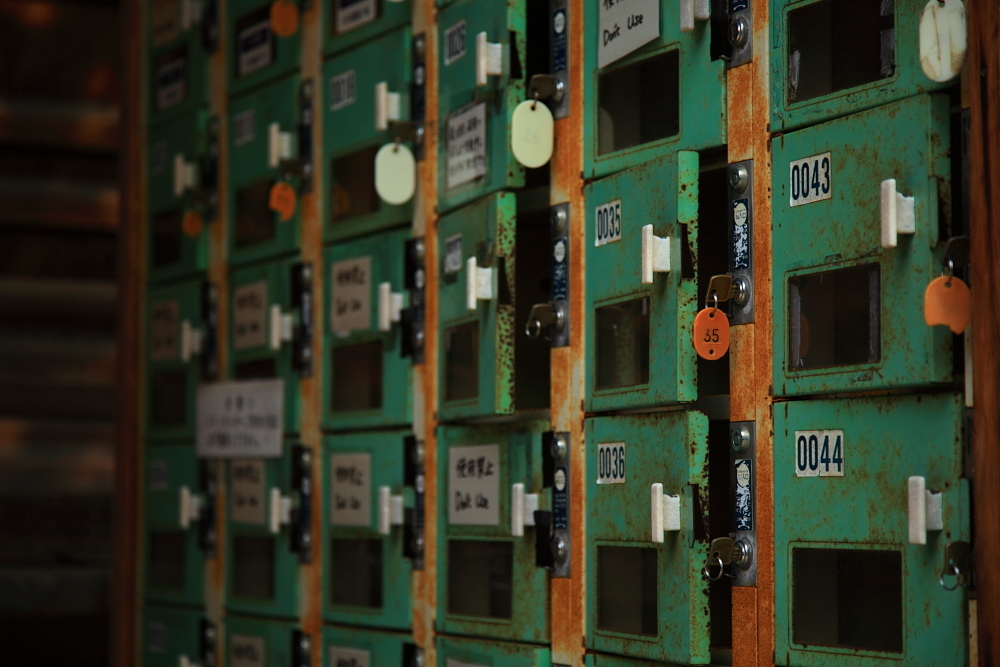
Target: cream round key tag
[395, 174]
[531, 133]
[711, 332]
[943, 39]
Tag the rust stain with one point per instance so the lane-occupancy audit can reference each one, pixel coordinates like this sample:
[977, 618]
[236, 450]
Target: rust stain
[744, 625]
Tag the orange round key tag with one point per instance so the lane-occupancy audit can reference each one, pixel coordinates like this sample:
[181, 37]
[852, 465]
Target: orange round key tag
[948, 301]
[711, 333]
[192, 223]
[284, 18]
[282, 200]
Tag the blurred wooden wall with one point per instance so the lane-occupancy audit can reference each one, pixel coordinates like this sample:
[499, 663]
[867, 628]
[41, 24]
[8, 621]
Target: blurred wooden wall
[59, 144]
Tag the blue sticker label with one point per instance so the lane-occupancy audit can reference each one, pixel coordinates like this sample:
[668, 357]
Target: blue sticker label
[560, 270]
[560, 500]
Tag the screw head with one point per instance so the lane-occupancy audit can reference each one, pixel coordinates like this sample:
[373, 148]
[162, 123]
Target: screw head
[739, 32]
[740, 438]
[559, 219]
[742, 287]
[559, 549]
[739, 178]
[559, 447]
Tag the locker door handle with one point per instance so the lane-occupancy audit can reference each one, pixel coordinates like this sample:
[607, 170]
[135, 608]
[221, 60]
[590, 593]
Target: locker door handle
[489, 59]
[282, 327]
[279, 145]
[694, 10]
[390, 306]
[925, 510]
[191, 506]
[191, 339]
[897, 214]
[280, 510]
[185, 175]
[478, 283]
[665, 512]
[655, 255]
[390, 510]
[386, 106]
[522, 509]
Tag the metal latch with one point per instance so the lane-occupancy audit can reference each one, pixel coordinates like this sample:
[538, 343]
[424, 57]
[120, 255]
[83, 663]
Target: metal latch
[958, 564]
[723, 552]
[552, 535]
[301, 513]
[413, 519]
[210, 335]
[301, 649]
[302, 327]
[303, 166]
[412, 318]
[740, 237]
[554, 315]
[207, 536]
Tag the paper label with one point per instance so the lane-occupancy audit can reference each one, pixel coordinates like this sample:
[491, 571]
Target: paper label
[343, 90]
[354, 13]
[624, 26]
[741, 234]
[351, 489]
[247, 492]
[474, 485]
[164, 331]
[171, 85]
[454, 43]
[611, 463]
[341, 656]
[466, 157]
[351, 295]
[453, 254]
[246, 651]
[254, 48]
[243, 128]
[608, 223]
[809, 180]
[744, 494]
[241, 418]
[250, 315]
[819, 453]
[159, 475]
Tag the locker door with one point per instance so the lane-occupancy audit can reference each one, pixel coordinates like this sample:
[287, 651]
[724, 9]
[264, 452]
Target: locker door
[258, 54]
[351, 647]
[353, 22]
[459, 652]
[252, 642]
[178, 60]
[172, 636]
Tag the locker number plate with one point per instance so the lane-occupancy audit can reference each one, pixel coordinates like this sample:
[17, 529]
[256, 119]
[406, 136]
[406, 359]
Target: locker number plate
[611, 463]
[809, 180]
[608, 221]
[819, 453]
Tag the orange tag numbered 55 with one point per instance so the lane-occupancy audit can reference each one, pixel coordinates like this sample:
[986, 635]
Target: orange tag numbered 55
[711, 333]
[282, 200]
[284, 18]
[948, 301]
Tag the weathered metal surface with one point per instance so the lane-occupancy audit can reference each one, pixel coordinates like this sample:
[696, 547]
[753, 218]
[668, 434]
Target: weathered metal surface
[382, 647]
[239, 16]
[484, 653]
[167, 633]
[245, 638]
[354, 31]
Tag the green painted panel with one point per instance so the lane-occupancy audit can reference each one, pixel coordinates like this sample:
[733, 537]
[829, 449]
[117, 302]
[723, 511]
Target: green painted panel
[368, 382]
[168, 634]
[252, 641]
[665, 95]
[476, 375]
[172, 253]
[863, 327]
[640, 353]
[262, 570]
[350, 137]
[171, 381]
[459, 652]
[488, 584]
[257, 55]
[367, 577]
[178, 62]
[353, 22]
[485, 132]
[647, 599]
[255, 231]
[851, 590]
[830, 59]
[254, 292]
[603, 660]
[341, 644]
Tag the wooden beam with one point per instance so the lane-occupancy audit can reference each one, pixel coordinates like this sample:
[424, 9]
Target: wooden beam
[82, 127]
[59, 204]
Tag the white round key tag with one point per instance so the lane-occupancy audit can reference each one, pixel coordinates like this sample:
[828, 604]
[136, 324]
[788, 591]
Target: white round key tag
[531, 133]
[395, 174]
[943, 39]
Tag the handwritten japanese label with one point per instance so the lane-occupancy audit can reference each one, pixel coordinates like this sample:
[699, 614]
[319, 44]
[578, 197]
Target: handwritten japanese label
[246, 651]
[248, 492]
[164, 329]
[351, 490]
[351, 295]
[241, 418]
[349, 657]
[466, 156]
[250, 315]
[624, 26]
[474, 485]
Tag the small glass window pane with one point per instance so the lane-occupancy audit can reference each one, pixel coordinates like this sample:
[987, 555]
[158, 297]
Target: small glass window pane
[833, 318]
[480, 578]
[836, 45]
[166, 561]
[254, 217]
[356, 572]
[638, 103]
[168, 398]
[253, 567]
[627, 590]
[166, 239]
[356, 377]
[352, 186]
[461, 353]
[850, 598]
[623, 344]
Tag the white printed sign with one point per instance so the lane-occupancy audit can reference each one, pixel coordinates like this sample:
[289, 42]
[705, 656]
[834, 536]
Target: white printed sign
[247, 492]
[164, 329]
[453, 254]
[466, 150]
[255, 46]
[454, 43]
[246, 651]
[238, 419]
[624, 26]
[351, 489]
[351, 295]
[250, 315]
[608, 223]
[474, 485]
[819, 453]
[611, 463]
[354, 13]
[343, 90]
[171, 88]
[243, 128]
[341, 656]
[809, 180]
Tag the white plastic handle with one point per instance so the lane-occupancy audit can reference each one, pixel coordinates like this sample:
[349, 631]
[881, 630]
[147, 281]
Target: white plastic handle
[522, 509]
[185, 175]
[664, 511]
[390, 510]
[489, 59]
[190, 341]
[925, 510]
[478, 283]
[281, 325]
[655, 255]
[190, 505]
[184, 661]
[390, 306]
[386, 106]
[280, 510]
[897, 214]
[279, 145]
[694, 10]
[190, 13]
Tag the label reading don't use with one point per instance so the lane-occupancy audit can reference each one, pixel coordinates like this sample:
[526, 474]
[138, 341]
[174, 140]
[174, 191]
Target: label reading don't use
[474, 485]
[466, 147]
